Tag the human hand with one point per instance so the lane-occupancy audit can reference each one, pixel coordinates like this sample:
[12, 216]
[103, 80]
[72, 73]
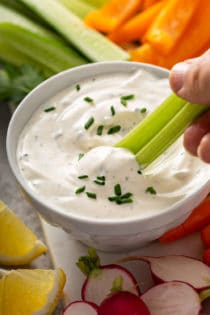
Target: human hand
[191, 81]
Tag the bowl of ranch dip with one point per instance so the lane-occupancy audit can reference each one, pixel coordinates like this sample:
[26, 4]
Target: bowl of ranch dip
[61, 149]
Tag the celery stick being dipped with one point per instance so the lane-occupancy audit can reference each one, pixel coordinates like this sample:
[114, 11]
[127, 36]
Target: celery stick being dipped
[88, 41]
[160, 129]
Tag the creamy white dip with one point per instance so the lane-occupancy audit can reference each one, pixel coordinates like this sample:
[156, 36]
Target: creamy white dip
[55, 149]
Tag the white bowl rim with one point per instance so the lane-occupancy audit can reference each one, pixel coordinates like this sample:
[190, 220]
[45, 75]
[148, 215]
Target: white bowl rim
[70, 215]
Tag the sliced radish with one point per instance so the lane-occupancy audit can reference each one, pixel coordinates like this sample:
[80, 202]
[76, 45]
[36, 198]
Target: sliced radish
[172, 298]
[178, 268]
[81, 308]
[99, 285]
[101, 280]
[123, 303]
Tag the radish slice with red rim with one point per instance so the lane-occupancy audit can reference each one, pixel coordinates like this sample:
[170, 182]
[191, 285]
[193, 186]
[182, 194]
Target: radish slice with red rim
[172, 298]
[81, 308]
[178, 268]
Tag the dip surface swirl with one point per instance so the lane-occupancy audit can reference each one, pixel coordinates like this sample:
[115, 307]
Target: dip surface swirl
[66, 151]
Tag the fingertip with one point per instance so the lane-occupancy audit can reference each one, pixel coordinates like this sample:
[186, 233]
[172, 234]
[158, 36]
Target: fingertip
[177, 76]
[191, 140]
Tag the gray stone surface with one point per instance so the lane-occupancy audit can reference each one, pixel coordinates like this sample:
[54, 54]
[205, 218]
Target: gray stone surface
[10, 194]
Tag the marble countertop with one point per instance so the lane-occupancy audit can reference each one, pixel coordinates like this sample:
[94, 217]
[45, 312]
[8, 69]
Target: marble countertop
[10, 194]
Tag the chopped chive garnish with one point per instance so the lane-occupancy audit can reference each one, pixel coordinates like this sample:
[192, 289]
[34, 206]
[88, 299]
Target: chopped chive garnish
[112, 110]
[126, 195]
[117, 190]
[151, 190]
[127, 97]
[139, 172]
[78, 87]
[50, 109]
[91, 195]
[89, 123]
[123, 102]
[114, 198]
[113, 130]
[98, 182]
[103, 178]
[83, 176]
[80, 156]
[143, 110]
[100, 130]
[80, 190]
[128, 200]
[88, 99]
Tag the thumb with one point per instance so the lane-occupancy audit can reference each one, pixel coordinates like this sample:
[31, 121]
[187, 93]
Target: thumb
[191, 79]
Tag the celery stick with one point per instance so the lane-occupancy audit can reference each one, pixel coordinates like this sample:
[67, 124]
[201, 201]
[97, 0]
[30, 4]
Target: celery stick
[152, 124]
[96, 3]
[91, 43]
[78, 7]
[47, 51]
[17, 58]
[170, 133]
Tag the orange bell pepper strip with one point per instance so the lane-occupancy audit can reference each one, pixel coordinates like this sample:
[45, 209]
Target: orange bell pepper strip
[113, 14]
[137, 26]
[193, 43]
[149, 3]
[198, 219]
[170, 24]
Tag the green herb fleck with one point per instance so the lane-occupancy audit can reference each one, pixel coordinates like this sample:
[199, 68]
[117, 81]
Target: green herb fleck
[89, 123]
[112, 110]
[143, 110]
[151, 190]
[91, 195]
[88, 99]
[80, 190]
[50, 109]
[98, 182]
[113, 130]
[100, 130]
[101, 178]
[126, 98]
[123, 201]
[117, 190]
[78, 87]
[83, 176]
[80, 156]
[139, 172]
[126, 195]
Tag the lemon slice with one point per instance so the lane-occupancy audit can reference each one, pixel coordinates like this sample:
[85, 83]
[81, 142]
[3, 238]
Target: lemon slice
[30, 292]
[18, 245]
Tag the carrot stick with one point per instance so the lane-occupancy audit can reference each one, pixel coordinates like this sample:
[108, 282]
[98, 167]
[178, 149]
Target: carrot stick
[171, 24]
[137, 26]
[206, 257]
[205, 236]
[113, 14]
[199, 218]
[149, 3]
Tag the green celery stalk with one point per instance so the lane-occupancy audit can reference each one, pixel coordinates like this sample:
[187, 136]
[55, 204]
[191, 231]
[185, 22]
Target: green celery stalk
[169, 134]
[49, 52]
[96, 3]
[78, 7]
[17, 58]
[88, 41]
[145, 131]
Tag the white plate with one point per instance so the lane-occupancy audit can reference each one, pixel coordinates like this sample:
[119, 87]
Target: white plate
[65, 253]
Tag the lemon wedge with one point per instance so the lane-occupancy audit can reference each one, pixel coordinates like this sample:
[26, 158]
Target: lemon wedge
[18, 244]
[30, 292]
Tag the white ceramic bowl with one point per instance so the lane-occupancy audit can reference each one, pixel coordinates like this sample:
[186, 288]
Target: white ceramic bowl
[105, 234]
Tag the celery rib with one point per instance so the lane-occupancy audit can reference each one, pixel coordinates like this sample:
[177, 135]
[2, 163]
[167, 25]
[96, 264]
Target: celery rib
[88, 41]
[78, 7]
[138, 137]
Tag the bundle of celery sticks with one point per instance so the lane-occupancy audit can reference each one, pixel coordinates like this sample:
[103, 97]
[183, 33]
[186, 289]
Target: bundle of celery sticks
[41, 38]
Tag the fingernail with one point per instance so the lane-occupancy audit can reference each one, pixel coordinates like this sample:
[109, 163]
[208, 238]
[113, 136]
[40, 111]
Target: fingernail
[177, 75]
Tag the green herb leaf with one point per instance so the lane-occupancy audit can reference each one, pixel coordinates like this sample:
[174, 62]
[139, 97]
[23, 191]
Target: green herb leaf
[126, 98]
[117, 190]
[143, 110]
[100, 130]
[99, 182]
[89, 123]
[80, 156]
[80, 190]
[151, 190]
[91, 195]
[88, 99]
[49, 109]
[90, 263]
[112, 110]
[78, 87]
[83, 176]
[103, 178]
[113, 130]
